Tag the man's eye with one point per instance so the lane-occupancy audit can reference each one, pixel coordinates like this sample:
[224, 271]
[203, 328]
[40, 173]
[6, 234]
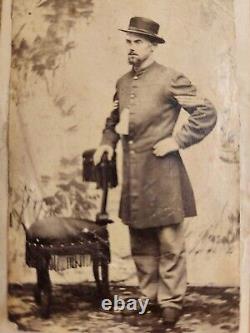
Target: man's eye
[138, 41]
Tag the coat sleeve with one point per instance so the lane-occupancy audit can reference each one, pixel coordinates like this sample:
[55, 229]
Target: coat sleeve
[109, 135]
[202, 118]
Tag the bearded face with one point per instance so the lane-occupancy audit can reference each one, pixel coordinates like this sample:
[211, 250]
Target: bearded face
[139, 48]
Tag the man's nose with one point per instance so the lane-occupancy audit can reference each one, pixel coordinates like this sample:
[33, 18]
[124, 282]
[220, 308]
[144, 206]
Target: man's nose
[132, 49]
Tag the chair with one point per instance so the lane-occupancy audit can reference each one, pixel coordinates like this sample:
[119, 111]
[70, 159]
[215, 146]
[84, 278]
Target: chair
[76, 240]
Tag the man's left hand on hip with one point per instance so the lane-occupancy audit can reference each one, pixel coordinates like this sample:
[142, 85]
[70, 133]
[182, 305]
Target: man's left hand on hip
[165, 146]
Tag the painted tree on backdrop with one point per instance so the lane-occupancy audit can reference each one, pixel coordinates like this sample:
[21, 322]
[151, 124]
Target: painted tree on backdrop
[43, 56]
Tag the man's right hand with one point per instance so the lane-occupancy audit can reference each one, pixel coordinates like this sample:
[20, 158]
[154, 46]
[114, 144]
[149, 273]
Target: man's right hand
[100, 151]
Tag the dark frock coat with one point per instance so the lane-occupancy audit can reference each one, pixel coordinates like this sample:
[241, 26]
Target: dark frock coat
[156, 191]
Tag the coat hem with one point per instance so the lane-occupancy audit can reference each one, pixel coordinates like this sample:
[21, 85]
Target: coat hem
[132, 225]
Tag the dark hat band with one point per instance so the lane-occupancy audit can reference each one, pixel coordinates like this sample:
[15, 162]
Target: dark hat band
[140, 30]
[151, 36]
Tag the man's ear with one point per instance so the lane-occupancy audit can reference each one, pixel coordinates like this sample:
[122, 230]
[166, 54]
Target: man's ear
[154, 46]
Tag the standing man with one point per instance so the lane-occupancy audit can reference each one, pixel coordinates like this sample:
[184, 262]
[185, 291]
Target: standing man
[156, 192]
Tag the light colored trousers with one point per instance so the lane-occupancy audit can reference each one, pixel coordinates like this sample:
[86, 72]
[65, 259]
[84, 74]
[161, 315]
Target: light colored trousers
[159, 256]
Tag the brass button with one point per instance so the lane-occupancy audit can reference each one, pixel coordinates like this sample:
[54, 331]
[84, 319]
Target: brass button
[132, 95]
[130, 142]
[136, 77]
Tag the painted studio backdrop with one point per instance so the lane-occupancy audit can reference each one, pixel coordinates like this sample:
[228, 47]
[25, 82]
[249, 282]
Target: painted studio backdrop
[66, 58]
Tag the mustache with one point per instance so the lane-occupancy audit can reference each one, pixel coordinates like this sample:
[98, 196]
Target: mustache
[132, 53]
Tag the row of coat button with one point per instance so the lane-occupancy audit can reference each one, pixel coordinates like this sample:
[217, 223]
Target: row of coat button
[132, 103]
[131, 151]
[133, 95]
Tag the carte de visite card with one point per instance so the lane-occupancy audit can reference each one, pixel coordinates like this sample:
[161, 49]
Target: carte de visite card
[147, 236]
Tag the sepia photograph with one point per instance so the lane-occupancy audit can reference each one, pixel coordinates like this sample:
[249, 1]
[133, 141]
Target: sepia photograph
[123, 166]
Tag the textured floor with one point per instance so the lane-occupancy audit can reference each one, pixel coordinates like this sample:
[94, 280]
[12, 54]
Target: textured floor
[74, 309]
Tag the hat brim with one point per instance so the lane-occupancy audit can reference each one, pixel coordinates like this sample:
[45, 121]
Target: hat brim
[154, 37]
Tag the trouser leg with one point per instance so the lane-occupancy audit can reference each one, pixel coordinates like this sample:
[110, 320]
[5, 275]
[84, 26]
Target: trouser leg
[145, 252]
[172, 266]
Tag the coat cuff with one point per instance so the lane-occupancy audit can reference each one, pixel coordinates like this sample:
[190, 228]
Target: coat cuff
[180, 143]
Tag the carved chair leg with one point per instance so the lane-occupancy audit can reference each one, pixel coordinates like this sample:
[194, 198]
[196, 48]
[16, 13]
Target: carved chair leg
[43, 289]
[105, 279]
[101, 274]
[97, 275]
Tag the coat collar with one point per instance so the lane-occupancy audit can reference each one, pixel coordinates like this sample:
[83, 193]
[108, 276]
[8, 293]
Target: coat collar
[143, 70]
